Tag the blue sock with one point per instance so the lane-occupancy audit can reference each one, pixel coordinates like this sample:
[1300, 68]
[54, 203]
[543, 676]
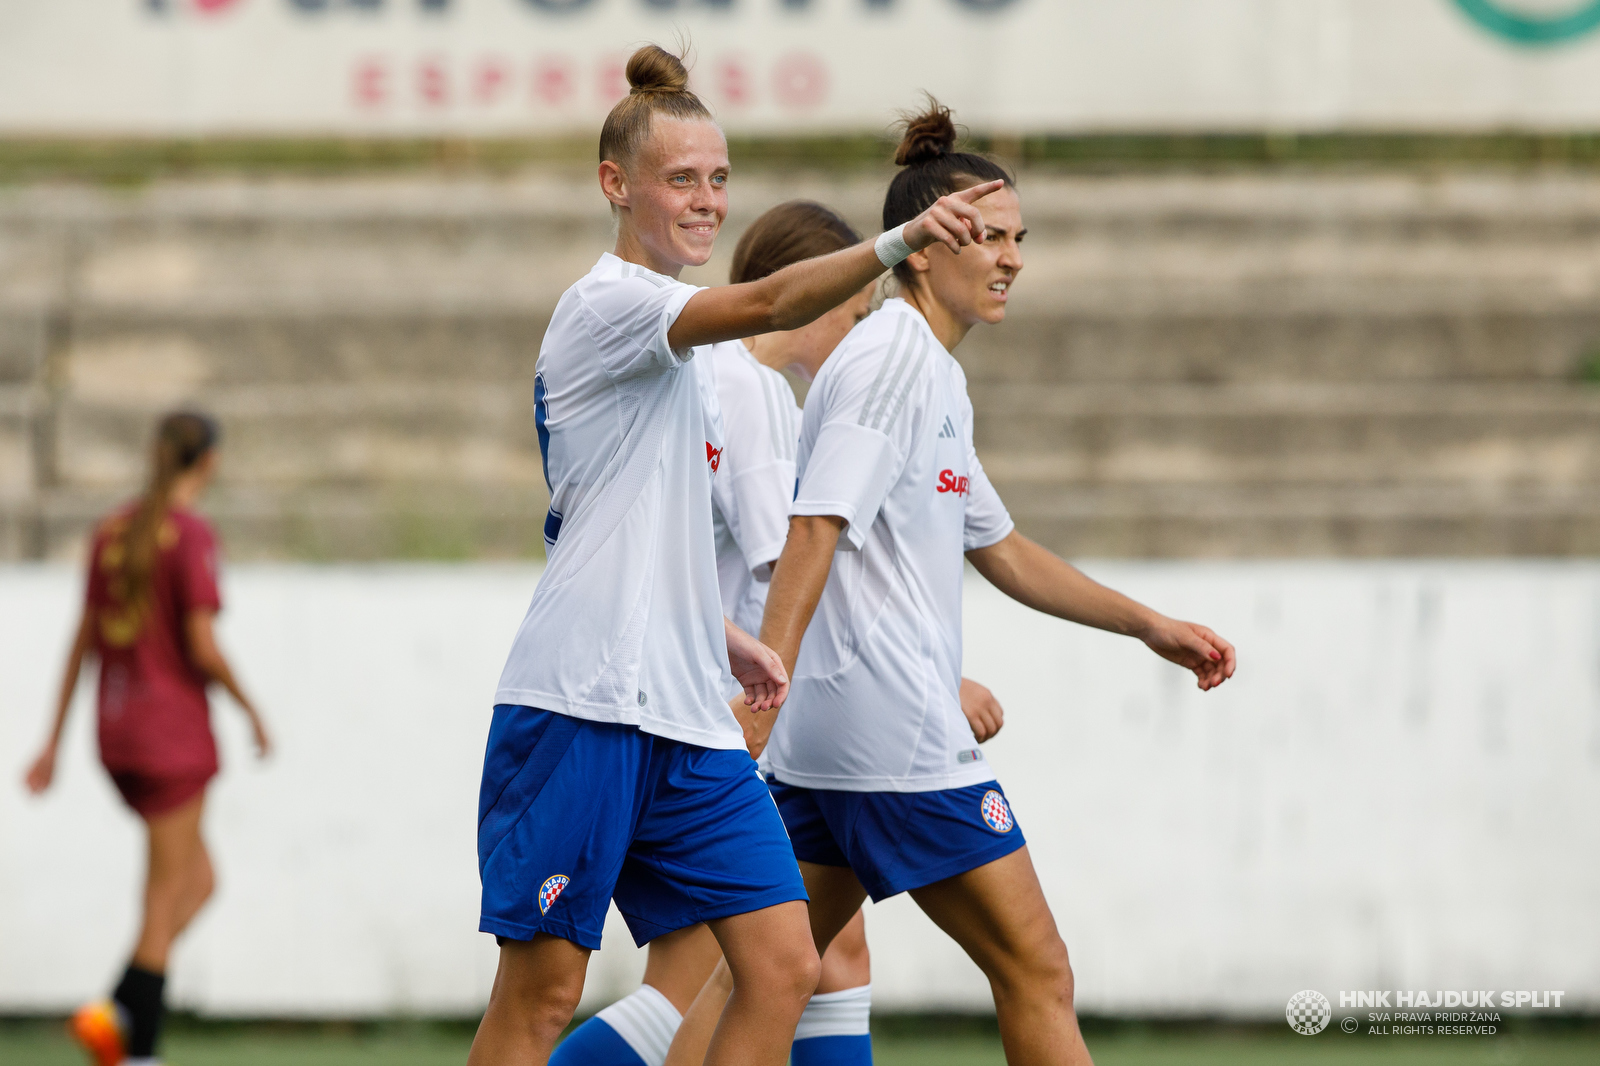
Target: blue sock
[830, 1051]
[834, 1031]
[634, 1031]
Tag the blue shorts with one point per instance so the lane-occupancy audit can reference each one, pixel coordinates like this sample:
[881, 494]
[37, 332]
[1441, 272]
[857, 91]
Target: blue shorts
[898, 841]
[573, 814]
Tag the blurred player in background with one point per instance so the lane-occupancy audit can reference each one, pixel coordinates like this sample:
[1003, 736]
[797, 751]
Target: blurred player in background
[615, 769]
[147, 617]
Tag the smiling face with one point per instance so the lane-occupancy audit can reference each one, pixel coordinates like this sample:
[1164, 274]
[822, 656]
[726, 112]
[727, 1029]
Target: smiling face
[975, 286]
[672, 196]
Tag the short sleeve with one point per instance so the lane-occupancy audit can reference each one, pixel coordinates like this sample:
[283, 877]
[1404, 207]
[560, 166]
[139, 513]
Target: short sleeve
[987, 522]
[194, 562]
[628, 319]
[868, 415]
[755, 482]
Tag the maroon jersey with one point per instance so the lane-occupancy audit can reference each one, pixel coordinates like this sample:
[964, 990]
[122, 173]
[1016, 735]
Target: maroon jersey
[154, 717]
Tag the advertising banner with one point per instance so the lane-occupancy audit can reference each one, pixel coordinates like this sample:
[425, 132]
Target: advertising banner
[534, 67]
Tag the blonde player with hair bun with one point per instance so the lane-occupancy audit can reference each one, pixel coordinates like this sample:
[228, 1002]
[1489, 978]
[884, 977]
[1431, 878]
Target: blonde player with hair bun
[615, 769]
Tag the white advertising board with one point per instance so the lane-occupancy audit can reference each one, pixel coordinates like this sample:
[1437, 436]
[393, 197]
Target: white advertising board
[513, 67]
[1399, 790]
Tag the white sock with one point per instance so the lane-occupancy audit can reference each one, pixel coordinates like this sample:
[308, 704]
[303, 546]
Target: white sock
[846, 1013]
[647, 1021]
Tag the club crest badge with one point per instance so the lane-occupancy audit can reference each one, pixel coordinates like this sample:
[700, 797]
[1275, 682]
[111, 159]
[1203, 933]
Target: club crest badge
[996, 812]
[552, 888]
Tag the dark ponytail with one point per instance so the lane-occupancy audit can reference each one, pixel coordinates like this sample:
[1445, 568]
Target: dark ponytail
[182, 440]
[932, 168]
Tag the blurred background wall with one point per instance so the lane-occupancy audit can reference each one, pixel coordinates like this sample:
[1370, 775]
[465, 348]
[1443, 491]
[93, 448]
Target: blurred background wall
[1307, 337]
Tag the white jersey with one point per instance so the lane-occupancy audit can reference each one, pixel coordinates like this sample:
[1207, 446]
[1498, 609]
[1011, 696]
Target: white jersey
[886, 444]
[626, 623]
[755, 482]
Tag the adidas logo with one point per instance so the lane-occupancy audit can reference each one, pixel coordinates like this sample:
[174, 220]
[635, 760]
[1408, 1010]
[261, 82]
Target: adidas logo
[948, 429]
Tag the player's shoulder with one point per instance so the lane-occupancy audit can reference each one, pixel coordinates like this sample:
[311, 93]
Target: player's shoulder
[614, 287]
[887, 343]
[191, 527]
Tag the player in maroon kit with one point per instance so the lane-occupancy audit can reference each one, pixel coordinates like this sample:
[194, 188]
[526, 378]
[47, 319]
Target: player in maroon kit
[147, 617]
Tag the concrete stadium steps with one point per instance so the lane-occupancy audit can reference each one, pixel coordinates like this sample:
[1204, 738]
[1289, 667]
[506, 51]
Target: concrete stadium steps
[1339, 364]
[1281, 345]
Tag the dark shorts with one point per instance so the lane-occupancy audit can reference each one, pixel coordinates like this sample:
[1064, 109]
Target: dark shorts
[898, 841]
[154, 794]
[574, 814]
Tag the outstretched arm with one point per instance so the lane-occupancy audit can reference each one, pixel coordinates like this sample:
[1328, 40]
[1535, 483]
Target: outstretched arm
[43, 769]
[208, 659]
[804, 291]
[1033, 575]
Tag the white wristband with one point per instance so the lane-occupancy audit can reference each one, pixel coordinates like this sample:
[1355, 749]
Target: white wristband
[891, 246]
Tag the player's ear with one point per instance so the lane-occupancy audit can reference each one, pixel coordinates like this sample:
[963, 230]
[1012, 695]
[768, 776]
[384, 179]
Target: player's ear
[918, 261]
[614, 183]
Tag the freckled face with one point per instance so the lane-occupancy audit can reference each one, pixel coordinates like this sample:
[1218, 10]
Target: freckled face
[675, 193]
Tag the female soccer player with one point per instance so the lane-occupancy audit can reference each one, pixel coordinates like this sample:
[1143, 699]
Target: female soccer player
[615, 769]
[152, 596]
[750, 509]
[876, 772]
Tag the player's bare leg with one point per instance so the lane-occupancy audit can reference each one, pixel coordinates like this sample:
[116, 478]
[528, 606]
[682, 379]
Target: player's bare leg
[847, 963]
[536, 990]
[998, 914]
[831, 888]
[773, 967]
[178, 881]
[679, 962]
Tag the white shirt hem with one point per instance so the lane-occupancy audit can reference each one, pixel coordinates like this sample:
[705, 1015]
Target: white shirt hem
[978, 774]
[613, 715]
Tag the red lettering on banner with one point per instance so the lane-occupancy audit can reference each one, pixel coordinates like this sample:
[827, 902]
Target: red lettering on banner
[554, 81]
[433, 83]
[612, 83]
[800, 81]
[371, 82]
[734, 82]
[491, 78]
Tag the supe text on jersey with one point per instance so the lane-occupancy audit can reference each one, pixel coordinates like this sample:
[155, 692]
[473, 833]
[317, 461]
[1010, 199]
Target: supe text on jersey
[950, 482]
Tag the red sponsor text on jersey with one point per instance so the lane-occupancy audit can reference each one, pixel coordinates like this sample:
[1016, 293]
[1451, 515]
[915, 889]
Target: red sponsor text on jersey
[713, 456]
[949, 481]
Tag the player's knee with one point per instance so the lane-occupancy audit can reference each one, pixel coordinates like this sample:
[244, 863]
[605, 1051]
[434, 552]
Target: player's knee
[204, 879]
[1052, 970]
[1043, 970]
[790, 974]
[848, 964]
[544, 1008]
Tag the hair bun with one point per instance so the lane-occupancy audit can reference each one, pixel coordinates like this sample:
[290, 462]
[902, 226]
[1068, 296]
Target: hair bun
[653, 69]
[928, 136]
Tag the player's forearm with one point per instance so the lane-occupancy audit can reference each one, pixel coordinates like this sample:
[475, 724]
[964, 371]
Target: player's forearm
[797, 583]
[1037, 577]
[69, 679]
[787, 299]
